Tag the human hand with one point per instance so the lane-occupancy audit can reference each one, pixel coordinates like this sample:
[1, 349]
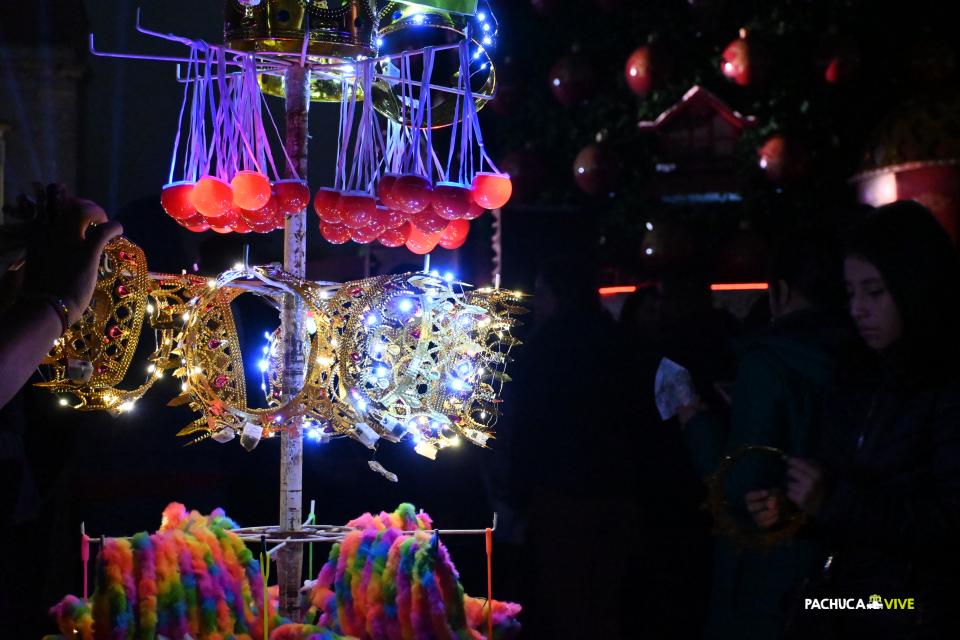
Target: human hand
[765, 507]
[65, 261]
[804, 484]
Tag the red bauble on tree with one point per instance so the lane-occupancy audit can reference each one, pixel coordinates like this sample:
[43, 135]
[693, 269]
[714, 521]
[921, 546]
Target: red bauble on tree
[572, 79]
[639, 71]
[647, 67]
[783, 159]
[842, 62]
[745, 61]
[596, 169]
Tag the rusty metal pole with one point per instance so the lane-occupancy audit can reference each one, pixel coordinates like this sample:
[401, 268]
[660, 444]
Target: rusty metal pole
[290, 557]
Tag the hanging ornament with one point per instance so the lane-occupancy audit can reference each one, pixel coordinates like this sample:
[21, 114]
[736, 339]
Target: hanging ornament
[357, 209]
[251, 189]
[176, 201]
[639, 72]
[291, 196]
[783, 159]
[334, 233]
[397, 237]
[842, 63]
[388, 218]
[454, 235]
[428, 221]
[421, 242]
[451, 200]
[737, 59]
[195, 223]
[385, 190]
[572, 79]
[212, 197]
[474, 212]
[367, 234]
[412, 193]
[491, 190]
[327, 205]
[596, 169]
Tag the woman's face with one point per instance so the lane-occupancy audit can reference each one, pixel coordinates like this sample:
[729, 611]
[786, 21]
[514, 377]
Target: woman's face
[872, 306]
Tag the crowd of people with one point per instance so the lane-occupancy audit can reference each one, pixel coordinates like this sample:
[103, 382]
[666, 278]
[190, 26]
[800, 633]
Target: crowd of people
[858, 393]
[602, 498]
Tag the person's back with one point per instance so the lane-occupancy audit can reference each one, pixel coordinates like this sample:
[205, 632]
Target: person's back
[782, 375]
[782, 378]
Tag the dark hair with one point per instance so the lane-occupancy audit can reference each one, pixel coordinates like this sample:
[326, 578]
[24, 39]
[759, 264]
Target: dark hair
[809, 261]
[921, 269]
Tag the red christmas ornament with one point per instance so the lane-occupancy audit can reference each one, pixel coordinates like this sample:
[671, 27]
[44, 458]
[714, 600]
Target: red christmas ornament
[639, 71]
[291, 196]
[451, 200]
[224, 223]
[475, 212]
[388, 218]
[251, 190]
[334, 233]
[455, 234]
[736, 62]
[596, 169]
[782, 159]
[195, 223]
[385, 190]
[397, 237]
[420, 242]
[491, 190]
[212, 197]
[358, 209]
[176, 200]
[411, 193]
[327, 205]
[241, 226]
[572, 80]
[428, 221]
[366, 235]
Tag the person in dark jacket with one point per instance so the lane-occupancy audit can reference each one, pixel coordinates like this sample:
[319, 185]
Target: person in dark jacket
[884, 489]
[782, 374]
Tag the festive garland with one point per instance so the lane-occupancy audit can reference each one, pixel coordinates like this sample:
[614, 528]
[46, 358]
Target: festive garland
[393, 579]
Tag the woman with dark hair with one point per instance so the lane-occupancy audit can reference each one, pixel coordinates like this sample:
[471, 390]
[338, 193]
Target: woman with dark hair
[884, 493]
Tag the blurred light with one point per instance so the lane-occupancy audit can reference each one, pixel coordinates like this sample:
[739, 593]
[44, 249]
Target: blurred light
[481, 16]
[150, 308]
[649, 226]
[487, 40]
[739, 286]
[125, 406]
[448, 276]
[379, 42]
[264, 365]
[648, 251]
[405, 305]
[609, 291]
[63, 402]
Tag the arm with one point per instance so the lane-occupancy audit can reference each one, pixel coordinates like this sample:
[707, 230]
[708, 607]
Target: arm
[755, 419]
[63, 268]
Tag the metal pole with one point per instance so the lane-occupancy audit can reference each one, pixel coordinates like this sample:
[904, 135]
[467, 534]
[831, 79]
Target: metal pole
[290, 557]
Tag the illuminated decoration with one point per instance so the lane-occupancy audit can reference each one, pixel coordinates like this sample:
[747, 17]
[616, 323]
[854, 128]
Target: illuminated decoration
[89, 363]
[740, 286]
[413, 356]
[226, 151]
[725, 523]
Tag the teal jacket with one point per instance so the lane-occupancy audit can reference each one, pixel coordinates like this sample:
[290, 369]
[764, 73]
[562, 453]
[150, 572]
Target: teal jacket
[782, 375]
